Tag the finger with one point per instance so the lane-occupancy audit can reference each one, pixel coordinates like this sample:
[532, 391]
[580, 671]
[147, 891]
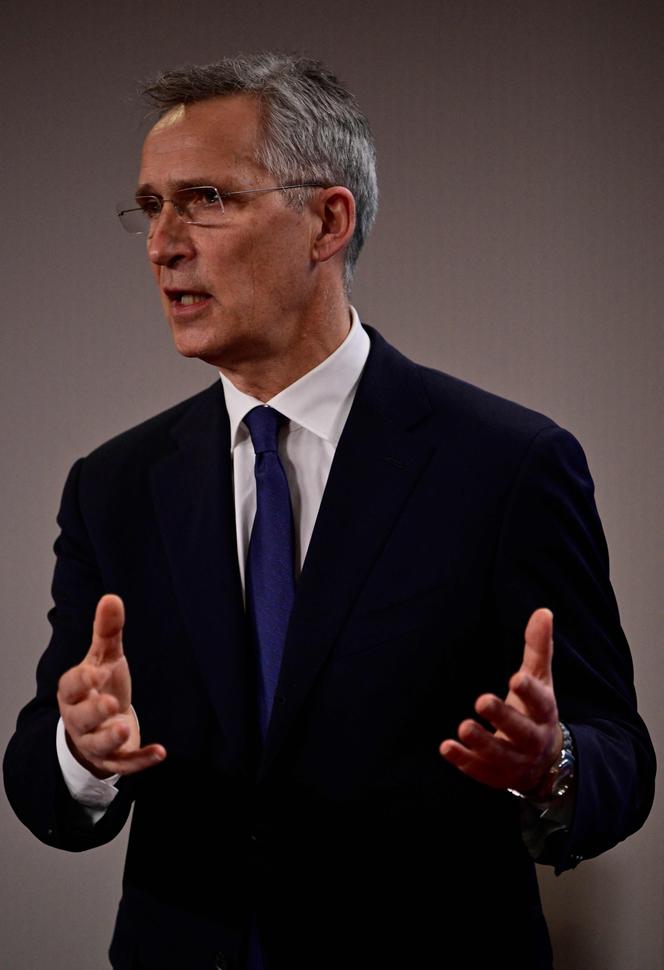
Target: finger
[538, 648]
[76, 683]
[106, 643]
[536, 696]
[456, 754]
[485, 744]
[106, 740]
[521, 730]
[498, 773]
[130, 762]
[89, 714]
[491, 760]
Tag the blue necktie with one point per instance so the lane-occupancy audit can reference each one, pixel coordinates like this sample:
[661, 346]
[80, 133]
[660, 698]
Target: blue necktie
[270, 582]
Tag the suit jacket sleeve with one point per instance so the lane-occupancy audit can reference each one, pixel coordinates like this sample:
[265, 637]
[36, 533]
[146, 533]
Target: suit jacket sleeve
[552, 552]
[33, 779]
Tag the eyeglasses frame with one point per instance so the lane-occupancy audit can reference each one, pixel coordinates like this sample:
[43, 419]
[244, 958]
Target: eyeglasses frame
[220, 198]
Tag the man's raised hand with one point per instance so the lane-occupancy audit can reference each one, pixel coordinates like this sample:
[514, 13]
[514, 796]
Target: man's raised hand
[527, 738]
[95, 702]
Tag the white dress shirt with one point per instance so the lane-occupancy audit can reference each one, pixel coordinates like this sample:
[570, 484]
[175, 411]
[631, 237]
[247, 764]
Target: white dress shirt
[317, 406]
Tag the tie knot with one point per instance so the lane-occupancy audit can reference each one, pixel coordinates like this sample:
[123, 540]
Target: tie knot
[263, 423]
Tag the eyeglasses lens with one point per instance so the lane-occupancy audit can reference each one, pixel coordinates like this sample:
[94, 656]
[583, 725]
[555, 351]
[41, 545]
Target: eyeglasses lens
[200, 205]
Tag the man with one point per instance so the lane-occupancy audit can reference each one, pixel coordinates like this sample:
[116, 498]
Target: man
[280, 701]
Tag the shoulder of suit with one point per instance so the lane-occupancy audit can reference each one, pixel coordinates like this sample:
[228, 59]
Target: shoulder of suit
[450, 394]
[455, 402]
[152, 437]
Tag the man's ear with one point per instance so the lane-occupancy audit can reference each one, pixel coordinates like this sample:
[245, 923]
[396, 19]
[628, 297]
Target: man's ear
[335, 208]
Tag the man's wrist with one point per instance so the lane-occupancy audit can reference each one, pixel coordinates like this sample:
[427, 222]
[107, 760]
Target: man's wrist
[559, 777]
[90, 791]
[83, 762]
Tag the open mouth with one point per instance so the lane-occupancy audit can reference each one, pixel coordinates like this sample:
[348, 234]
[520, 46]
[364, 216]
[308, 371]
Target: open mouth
[186, 298]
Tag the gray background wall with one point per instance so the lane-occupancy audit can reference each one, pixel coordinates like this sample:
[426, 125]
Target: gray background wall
[519, 245]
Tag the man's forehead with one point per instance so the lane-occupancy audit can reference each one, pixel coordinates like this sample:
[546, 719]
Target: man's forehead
[215, 136]
[171, 118]
[233, 115]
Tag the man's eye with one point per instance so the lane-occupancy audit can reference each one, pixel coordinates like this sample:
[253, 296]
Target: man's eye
[204, 195]
[150, 206]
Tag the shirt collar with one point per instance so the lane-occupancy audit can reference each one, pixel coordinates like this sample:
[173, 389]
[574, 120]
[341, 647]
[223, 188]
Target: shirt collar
[319, 400]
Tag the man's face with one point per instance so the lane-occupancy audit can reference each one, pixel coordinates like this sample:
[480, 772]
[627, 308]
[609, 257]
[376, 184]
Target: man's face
[252, 276]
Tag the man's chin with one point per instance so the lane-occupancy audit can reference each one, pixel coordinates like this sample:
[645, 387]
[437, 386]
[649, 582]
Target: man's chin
[211, 354]
[188, 351]
[224, 351]
[192, 342]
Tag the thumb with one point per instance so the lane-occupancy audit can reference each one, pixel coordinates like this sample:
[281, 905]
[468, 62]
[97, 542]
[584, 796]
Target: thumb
[109, 620]
[538, 649]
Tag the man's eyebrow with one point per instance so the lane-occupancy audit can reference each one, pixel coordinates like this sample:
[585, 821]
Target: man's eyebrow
[146, 189]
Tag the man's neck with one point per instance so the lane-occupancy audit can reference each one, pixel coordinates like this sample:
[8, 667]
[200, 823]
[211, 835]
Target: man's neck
[264, 378]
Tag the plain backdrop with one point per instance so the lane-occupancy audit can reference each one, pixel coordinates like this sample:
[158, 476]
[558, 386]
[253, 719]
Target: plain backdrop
[519, 245]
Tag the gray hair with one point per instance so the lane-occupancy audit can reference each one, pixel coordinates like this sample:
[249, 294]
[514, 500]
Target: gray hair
[312, 128]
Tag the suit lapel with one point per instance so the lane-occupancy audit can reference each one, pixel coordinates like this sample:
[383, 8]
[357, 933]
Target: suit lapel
[377, 463]
[192, 490]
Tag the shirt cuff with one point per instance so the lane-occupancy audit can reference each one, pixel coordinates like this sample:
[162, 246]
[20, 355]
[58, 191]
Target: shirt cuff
[94, 794]
[538, 821]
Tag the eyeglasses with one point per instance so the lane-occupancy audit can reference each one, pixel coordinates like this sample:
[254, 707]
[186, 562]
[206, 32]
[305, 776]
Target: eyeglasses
[199, 205]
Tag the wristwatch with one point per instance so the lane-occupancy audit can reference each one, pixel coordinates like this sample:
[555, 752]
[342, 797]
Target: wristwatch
[558, 778]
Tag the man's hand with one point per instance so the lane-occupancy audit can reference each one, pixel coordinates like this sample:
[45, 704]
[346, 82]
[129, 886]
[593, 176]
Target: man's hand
[528, 739]
[95, 702]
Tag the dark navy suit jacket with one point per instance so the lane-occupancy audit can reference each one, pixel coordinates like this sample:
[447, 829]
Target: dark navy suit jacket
[449, 515]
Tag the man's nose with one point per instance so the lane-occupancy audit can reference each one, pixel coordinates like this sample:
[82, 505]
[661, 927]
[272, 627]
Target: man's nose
[169, 238]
